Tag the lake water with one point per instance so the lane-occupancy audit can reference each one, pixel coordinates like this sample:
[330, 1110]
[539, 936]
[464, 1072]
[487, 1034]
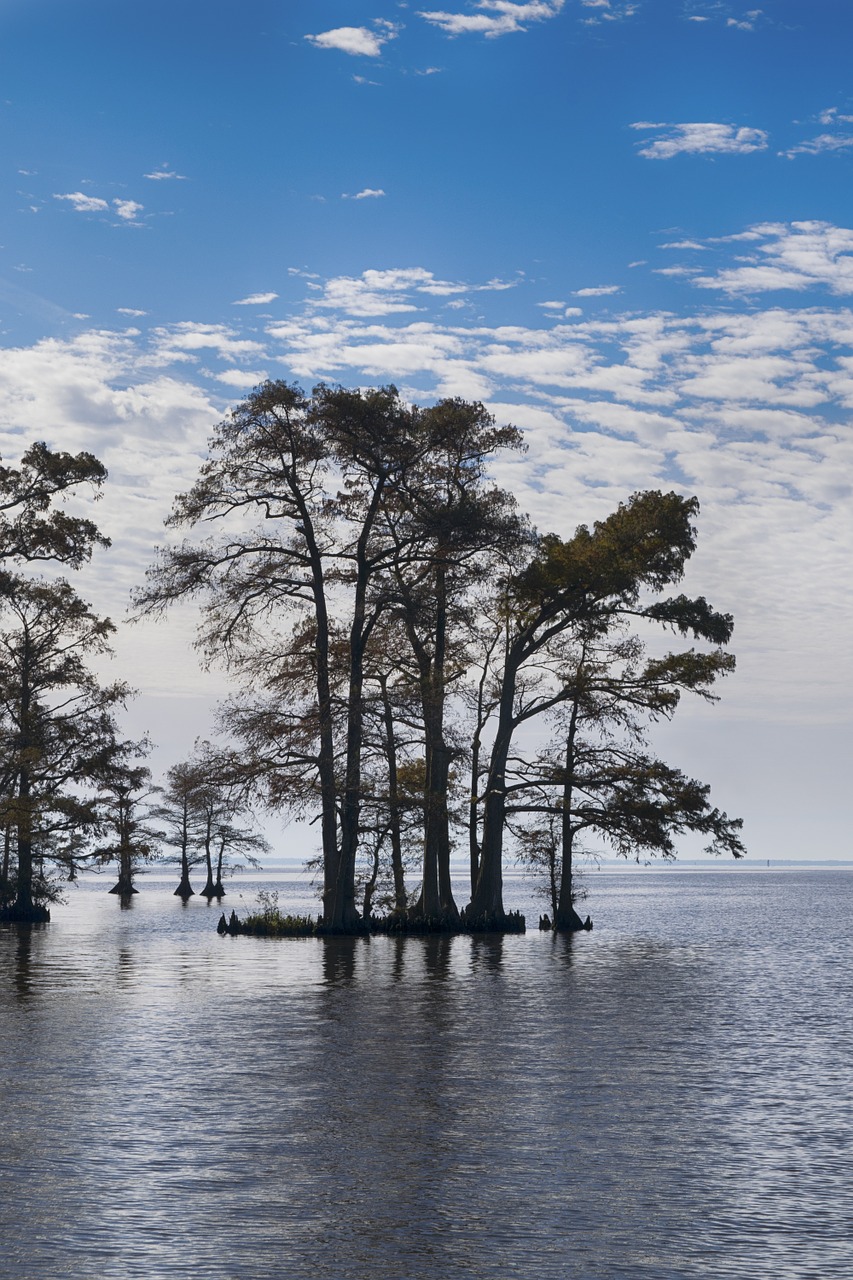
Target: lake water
[669, 1096]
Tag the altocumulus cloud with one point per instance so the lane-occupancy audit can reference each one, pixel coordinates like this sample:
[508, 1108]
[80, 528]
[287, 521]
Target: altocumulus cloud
[746, 406]
[795, 255]
[496, 17]
[700, 139]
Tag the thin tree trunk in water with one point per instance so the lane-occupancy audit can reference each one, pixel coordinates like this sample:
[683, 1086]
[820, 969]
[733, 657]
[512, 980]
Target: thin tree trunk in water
[218, 891]
[436, 900]
[400, 900]
[552, 875]
[565, 917]
[24, 906]
[124, 887]
[326, 756]
[370, 887]
[24, 896]
[346, 916]
[487, 896]
[476, 746]
[209, 890]
[5, 893]
[185, 889]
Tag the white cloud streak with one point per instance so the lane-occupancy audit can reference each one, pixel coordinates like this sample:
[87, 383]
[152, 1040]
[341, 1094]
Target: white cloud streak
[494, 17]
[82, 203]
[255, 300]
[700, 139]
[368, 193]
[164, 174]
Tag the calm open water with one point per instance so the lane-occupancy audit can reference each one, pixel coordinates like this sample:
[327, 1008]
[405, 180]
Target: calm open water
[668, 1096]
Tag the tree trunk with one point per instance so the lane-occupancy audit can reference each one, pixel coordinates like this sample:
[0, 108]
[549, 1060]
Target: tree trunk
[24, 895]
[400, 899]
[370, 887]
[209, 890]
[344, 915]
[436, 901]
[5, 887]
[185, 889]
[487, 896]
[218, 891]
[124, 886]
[565, 916]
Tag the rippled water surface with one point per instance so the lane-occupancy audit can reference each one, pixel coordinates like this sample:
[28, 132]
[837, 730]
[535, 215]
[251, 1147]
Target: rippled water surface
[668, 1096]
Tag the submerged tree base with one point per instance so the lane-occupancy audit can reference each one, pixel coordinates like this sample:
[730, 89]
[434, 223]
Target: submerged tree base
[16, 914]
[123, 890]
[565, 924]
[275, 925]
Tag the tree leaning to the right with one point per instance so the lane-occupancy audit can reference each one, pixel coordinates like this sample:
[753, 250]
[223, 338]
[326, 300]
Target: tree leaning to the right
[392, 622]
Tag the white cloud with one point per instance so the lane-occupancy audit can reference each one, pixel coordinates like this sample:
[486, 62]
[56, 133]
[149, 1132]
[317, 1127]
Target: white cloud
[797, 255]
[393, 291]
[82, 203]
[747, 22]
[241, 378]
[357, 41]
[830, 115]
[164, 174]
[497, 17]
[369, 193]
[749, 408]
[128, 209]
[606, 11]
[597, 291]
[176, 342]
[823, 142]
[255, 300]
[700, 139]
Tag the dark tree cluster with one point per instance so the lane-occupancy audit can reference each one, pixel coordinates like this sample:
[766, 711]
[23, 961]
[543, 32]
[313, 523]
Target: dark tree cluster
[394, 626]
[203, 816]
[60, 746]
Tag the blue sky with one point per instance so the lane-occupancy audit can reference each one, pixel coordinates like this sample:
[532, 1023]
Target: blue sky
[624, 226]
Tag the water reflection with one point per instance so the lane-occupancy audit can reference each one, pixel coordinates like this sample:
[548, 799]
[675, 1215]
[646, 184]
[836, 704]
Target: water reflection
[339, 959]
[23, 962]
[665, 1099]
[487, 951]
